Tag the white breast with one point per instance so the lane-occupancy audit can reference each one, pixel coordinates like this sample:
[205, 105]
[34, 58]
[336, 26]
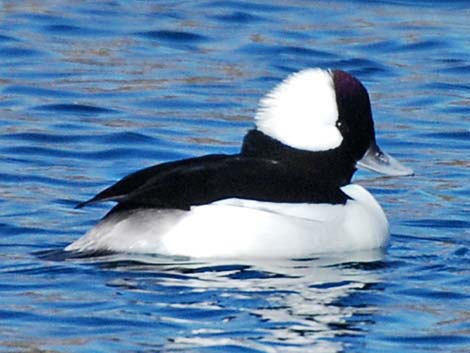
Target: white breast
[237, 228]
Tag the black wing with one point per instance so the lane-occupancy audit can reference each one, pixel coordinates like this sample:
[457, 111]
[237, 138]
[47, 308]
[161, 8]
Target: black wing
[202, 180]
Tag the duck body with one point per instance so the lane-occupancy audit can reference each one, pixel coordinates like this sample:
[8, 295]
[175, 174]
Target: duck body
[281, 196]
[237, 228]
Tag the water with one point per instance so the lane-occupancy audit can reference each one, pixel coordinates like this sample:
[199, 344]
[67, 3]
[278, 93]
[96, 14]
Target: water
[91, 91]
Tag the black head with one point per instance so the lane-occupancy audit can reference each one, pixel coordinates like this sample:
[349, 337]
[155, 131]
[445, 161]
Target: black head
[327, 112]
[354, 114]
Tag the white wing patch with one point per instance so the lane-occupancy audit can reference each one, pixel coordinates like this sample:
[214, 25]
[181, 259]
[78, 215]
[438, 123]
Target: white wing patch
[307, 212]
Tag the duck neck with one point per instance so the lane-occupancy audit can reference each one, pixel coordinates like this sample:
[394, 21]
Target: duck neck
[334, 166]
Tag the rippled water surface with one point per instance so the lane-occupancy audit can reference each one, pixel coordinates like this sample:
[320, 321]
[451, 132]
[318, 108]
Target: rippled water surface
[91, 91]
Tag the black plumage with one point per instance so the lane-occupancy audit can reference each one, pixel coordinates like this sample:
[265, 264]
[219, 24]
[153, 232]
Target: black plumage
[264, 170]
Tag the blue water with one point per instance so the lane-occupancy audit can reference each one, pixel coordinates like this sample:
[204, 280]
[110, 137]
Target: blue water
[91, 91]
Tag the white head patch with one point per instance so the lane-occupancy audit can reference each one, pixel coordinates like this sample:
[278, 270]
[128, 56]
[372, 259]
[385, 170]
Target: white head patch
[301, 111]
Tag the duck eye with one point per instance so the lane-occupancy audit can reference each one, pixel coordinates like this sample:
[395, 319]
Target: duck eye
[341, 127]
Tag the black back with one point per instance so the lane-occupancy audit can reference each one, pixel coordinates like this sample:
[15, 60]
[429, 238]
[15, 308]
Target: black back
[265, 170]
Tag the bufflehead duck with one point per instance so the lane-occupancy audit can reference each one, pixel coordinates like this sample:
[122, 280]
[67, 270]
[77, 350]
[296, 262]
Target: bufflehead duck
[286, 194]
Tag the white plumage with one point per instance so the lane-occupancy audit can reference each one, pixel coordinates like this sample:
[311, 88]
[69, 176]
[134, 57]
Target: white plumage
[301, 111]
[245, 228]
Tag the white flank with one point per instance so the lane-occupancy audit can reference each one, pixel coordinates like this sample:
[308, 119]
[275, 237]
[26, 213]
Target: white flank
[301, 111]
[236, 228]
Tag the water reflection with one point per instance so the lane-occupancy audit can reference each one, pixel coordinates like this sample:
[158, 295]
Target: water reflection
[288, 303]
